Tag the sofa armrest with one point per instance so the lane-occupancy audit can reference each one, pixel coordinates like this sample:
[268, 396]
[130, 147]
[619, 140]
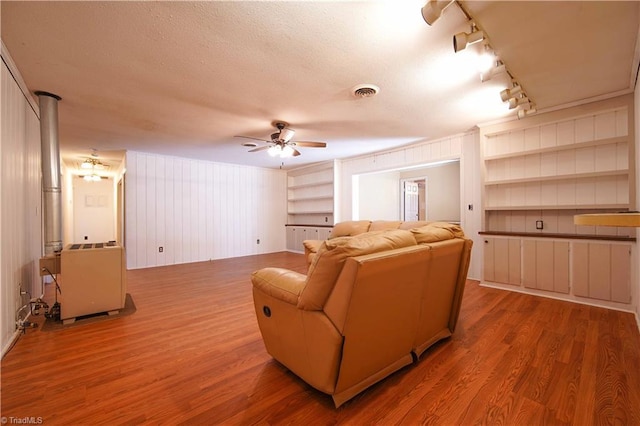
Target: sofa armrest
[311, 247]
[280, 283]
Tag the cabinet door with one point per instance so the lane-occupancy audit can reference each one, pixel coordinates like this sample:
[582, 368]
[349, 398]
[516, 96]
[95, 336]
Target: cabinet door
[546, 265]
[291, 240]
[502, 260]
[602, 271]
[300, 236]
[488, 272]
[323, 233]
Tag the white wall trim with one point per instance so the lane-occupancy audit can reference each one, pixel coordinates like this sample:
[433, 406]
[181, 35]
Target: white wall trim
[13, 69]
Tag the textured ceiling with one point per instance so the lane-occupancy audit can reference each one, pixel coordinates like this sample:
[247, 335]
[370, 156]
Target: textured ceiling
[182, 78]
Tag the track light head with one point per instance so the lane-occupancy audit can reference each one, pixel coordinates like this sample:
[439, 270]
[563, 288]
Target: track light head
[462, 40]
[432, 10]
[498, 68]
[526, 112]
[507, 94]
[516, 102]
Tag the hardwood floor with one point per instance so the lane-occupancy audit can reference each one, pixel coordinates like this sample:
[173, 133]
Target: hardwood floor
[192, 354]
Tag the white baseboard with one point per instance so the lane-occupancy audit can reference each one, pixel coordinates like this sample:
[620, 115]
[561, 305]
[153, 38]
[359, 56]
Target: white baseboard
[10, 343]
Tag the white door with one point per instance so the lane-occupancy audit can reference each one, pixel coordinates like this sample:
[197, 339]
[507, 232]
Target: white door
[411, 201]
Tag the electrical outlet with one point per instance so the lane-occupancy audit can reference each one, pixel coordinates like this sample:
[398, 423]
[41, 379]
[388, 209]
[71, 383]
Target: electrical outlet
[258, 241]
[160, 249]
[539, 224]
[470, 207]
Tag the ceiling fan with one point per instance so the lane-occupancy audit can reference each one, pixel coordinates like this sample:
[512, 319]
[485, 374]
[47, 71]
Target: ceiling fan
[281, 144]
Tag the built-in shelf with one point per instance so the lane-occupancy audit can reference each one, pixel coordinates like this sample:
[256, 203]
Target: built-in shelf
[558, 177]
[325, 212]
[557, 148]
[560, 207]
[311, 185]
[557, 236]
[538, 177]
[310, 195]
[303, 199]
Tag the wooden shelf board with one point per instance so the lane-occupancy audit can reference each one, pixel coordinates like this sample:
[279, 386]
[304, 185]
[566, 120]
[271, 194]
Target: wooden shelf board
[326, 212]
[324, 197]
[310, 185]
[309, 225]
[599, 142]
[557, 236]
[557, 177]
[560, 207]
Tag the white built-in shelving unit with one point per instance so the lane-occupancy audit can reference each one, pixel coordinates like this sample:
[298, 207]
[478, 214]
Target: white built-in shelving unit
[536, 175]
[310, 203]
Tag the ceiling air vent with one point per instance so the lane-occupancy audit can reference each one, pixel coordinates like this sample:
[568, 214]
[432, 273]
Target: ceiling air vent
[365, 90]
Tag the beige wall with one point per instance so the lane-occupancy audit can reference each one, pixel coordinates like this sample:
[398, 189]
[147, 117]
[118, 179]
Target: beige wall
[443, 190]
[379, 196]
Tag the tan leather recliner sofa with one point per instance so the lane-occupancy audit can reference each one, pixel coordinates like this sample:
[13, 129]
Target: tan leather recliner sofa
[368, 305]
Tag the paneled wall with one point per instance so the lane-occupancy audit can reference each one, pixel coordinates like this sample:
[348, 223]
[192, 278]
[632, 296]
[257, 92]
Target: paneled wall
[462, 147]
[20, 202]
[198, 210]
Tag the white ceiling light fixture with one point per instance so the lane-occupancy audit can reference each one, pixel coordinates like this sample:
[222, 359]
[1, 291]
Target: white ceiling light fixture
[462, 40]
[92, 178]
[507, 94]
[486, 59]
[497, 68]
[522, 113]
[432, 10]
[518, 101]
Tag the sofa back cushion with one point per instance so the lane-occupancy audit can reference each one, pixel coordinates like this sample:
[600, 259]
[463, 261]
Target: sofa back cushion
[350, 228]
[329, 260]
[413, 224]
[383, 225]
[437, 231]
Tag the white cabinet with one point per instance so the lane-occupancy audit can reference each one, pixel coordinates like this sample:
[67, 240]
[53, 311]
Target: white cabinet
[297, 234]
[567, 268]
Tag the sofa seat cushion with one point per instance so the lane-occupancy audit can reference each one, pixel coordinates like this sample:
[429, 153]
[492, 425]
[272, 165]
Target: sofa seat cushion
[437, 231]
[349, 228]
[328, 262]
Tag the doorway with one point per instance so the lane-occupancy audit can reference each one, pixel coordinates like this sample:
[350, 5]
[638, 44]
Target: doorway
[413, 203]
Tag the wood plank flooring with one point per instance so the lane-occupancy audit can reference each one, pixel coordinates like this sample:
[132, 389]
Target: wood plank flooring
[192, 354]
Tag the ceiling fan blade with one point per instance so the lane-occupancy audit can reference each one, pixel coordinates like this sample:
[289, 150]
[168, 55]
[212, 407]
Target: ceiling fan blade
[311, 144]
[249, 137]
[295, 152]
[260, 148]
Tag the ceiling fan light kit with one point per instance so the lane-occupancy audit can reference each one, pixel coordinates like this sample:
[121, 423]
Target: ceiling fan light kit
[281, 144]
